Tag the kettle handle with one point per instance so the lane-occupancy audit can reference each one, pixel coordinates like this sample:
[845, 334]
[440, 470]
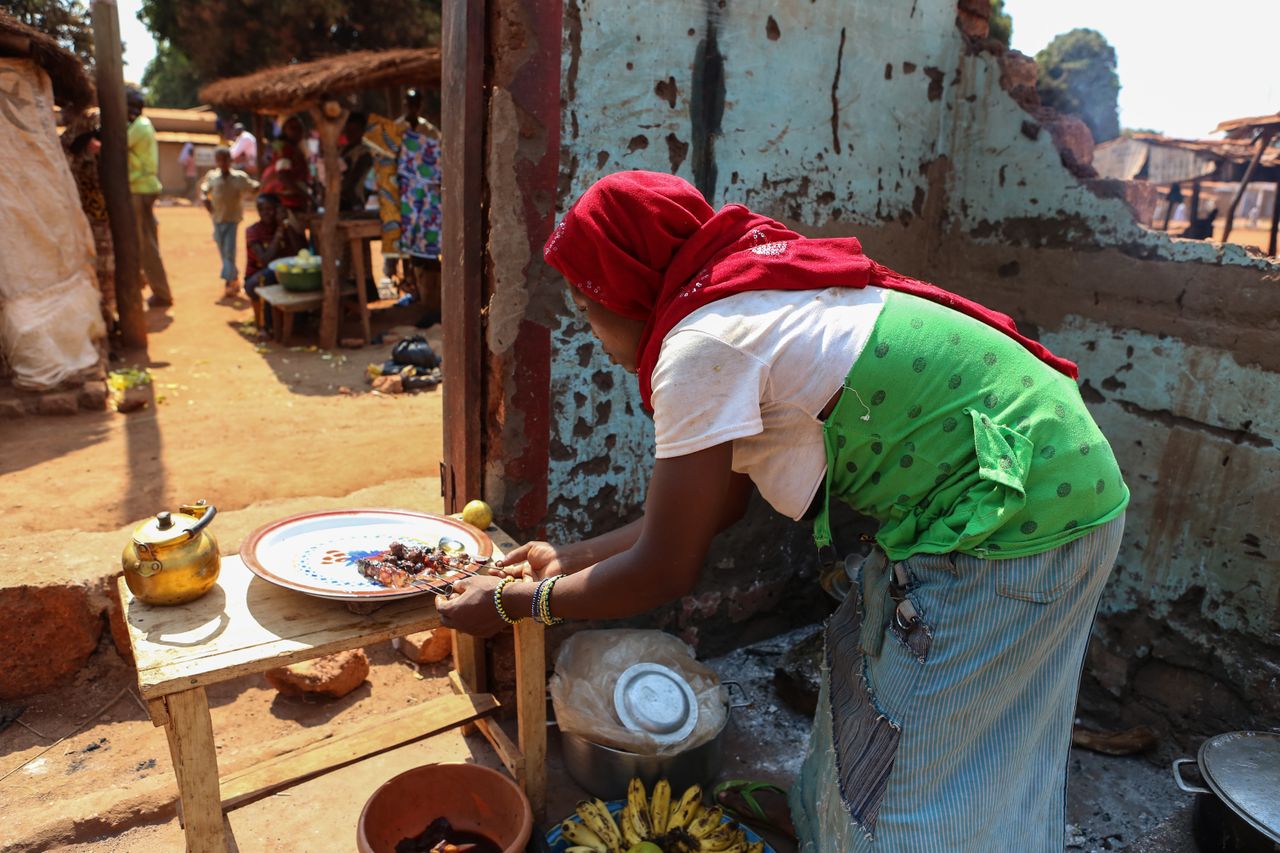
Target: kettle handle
[195, 529]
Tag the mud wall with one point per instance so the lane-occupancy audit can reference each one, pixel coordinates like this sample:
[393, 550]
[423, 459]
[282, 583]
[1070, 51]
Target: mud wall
[887, 121]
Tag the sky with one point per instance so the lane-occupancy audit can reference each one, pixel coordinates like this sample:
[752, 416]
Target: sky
[1184, 65]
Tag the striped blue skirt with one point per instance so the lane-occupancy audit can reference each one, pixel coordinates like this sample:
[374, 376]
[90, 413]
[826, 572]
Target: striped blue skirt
[948, 694]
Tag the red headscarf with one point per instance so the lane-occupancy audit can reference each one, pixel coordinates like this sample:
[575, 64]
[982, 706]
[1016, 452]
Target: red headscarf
[649, 247]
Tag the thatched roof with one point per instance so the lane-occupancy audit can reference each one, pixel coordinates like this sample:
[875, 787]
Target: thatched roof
[1243, 128]
[289, 88]
[71, 84]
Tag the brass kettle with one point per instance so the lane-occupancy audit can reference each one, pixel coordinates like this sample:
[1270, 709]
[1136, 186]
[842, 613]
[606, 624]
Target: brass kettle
[172, 558]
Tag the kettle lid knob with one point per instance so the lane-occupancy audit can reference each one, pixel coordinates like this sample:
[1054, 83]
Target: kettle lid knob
[164, 520]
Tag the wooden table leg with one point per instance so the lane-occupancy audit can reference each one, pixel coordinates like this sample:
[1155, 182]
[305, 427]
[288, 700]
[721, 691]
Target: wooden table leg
[286, 327]
[365, 264]
[468, 661]
[531, 711]
[195, 763]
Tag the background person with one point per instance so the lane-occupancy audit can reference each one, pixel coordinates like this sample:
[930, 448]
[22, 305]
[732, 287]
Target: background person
[144, 188]
[271, 237]
[244, 149]
[224, 190]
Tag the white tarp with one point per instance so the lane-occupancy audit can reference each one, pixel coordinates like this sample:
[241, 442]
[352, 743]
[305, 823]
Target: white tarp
[49, 298]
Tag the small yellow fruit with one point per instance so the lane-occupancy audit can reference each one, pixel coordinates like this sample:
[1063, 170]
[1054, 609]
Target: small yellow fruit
[645, 847]
[478, 514]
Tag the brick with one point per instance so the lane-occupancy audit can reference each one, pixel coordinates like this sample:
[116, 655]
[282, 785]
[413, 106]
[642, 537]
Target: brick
[331, 677]
[59, 403]
[48, 633]
[10, 409]
[93, 396]
[428, 646]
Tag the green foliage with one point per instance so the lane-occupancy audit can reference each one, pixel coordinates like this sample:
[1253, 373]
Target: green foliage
[1001, 23]
[227, 38]
[67, 21]
[1077, 75]
[1130, 131]
[170, 79]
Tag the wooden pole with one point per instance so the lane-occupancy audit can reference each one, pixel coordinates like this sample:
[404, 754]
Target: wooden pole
[330, 118]
[1275, 221]
[113, 164]
[1194, 211]
[462, 261]
[1264, 139]
[1168, 207]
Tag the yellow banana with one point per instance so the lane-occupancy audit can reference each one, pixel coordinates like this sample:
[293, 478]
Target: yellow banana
[706, 822]
[595, 815]
[578, 848]
[660, 807]
[725, 839]
[687, 809]
[636, 825]
[756, 847]
[581, 835]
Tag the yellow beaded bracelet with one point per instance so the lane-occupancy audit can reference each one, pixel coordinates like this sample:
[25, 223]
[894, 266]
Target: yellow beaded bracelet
[497, 599]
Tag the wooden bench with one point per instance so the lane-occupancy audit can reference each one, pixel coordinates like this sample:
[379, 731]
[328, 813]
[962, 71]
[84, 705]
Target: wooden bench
[285, 303]
[246, 625]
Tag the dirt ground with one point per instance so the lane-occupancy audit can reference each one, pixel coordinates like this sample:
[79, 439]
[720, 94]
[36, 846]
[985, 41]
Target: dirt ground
[230, 420]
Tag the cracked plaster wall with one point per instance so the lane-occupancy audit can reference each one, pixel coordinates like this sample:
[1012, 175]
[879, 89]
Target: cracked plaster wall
[883, 120]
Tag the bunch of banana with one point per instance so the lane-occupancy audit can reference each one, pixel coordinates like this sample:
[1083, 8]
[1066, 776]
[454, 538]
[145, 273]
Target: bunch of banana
[655, 825]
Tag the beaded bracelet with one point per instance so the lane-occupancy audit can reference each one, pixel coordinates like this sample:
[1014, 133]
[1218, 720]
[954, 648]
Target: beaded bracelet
[542, 601]
[497, 599]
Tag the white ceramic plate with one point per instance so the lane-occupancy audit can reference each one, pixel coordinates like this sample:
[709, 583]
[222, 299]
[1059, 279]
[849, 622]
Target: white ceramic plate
[316, 552]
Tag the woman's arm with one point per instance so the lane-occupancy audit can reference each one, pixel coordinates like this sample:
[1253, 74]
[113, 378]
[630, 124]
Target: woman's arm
[690, 500]
[537, 560]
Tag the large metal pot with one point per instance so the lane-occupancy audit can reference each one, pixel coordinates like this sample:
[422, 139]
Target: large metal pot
[604, 772]
[1239, 812]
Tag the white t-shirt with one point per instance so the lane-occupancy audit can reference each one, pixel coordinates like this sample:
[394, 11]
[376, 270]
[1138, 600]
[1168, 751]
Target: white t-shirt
[756, 369]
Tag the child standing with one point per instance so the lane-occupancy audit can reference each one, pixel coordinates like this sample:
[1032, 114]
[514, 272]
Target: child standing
[224, 189]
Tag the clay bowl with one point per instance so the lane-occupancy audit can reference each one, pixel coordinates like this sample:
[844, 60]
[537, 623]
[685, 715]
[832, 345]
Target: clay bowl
[473, 798]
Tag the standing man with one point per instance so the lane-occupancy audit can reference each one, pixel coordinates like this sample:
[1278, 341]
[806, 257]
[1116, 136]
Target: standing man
[187, 160]
[144, 187]
[244, 149]
[224, 189]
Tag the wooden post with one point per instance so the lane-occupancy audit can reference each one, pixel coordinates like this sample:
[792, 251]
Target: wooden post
[329, 120]
[1194, 210]
[1275, 221]
[1168, 207]
[1264, 139]
[113, 164]
[462, 260]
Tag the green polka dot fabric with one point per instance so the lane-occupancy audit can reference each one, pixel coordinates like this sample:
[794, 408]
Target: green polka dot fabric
[955, 438]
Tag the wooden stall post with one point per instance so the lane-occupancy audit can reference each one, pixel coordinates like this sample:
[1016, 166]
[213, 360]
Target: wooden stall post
[330, 118]
[1275, 221]
[1264, 139]
[113, 165]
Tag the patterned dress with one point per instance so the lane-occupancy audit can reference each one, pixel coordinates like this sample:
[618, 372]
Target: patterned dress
[419, 179]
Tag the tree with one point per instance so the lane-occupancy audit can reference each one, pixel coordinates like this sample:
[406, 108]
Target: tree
[1077, 75]
[170, 80]
[1001, 23]
[67, 21]
[227, 38]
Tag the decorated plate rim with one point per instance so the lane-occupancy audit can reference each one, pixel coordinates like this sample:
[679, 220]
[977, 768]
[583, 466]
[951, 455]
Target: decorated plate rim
[248, 550]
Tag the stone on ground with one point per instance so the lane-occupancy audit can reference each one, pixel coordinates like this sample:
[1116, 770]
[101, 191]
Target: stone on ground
[331, 677]
[427, 647]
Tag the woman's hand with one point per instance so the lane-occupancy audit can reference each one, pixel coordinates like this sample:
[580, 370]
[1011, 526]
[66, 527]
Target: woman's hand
[534, 561]
[471, 609]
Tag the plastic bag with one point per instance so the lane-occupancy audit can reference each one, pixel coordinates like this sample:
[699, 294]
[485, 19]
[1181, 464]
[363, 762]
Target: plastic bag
[587, 669]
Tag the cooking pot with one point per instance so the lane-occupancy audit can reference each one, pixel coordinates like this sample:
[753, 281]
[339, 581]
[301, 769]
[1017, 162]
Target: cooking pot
[172, 558]
[605, 772]
[1240, 810]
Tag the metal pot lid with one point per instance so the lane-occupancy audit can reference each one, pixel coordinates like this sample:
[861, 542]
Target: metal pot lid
[1243, 769]
[656, 700]
[164, 528]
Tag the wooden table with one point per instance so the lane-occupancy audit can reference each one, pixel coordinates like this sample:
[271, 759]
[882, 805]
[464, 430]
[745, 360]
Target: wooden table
[355, 232]
[246, 625]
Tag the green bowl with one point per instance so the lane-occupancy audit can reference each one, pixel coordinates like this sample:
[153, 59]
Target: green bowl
[300, 281]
